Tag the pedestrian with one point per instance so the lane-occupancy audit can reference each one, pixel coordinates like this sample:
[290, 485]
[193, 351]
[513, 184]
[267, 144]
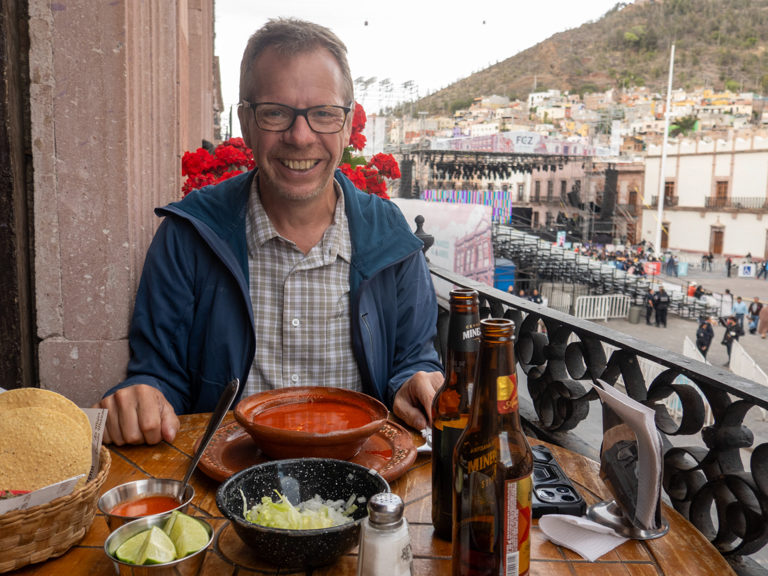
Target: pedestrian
[762, 322]
[753, 314]
[710, 258]
[739, 311]
[762, 269]
[536, 297]
[732, 333]
[648, 300]
[728, 262]
[660, 305]
[704, 335]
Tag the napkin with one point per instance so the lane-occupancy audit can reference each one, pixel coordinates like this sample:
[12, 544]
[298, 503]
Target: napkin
[587, 538]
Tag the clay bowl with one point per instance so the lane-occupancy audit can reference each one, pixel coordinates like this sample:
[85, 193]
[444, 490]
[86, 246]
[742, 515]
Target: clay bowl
[299, 480]
[310, 421]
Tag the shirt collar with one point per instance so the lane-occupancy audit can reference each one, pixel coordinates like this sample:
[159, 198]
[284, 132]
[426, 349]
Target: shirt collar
[335, 241]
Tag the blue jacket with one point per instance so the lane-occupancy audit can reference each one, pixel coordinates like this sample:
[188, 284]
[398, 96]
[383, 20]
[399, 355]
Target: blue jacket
[192, 328]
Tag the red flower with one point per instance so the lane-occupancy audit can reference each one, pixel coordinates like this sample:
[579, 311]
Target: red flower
[203, 168]
[357, 141]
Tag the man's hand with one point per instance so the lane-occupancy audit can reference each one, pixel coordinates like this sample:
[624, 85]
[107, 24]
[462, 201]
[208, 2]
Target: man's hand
[413, 402]
[138, 414]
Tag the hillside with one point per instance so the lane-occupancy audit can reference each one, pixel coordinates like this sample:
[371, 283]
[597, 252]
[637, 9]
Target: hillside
[718, 44]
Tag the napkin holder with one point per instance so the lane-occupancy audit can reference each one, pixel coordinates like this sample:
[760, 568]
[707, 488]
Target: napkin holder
[631, 467]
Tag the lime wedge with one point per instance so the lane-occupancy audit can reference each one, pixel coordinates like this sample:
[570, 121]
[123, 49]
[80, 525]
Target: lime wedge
[188, 535]
[170, 522]
[130, 550]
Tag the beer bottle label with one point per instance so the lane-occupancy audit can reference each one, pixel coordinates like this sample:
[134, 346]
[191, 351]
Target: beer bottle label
[506, 394]
[467, 335]
[517, 527]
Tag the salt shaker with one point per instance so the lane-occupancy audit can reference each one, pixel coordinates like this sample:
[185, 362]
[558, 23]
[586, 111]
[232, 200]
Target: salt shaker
[385, 545]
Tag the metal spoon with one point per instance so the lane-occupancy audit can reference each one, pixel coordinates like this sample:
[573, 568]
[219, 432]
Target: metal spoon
[225, 401]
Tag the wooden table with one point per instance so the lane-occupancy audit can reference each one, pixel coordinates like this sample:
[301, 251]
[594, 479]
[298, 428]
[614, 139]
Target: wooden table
[684, 550]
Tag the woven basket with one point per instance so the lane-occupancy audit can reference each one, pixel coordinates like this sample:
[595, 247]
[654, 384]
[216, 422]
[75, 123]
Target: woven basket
[49, 530]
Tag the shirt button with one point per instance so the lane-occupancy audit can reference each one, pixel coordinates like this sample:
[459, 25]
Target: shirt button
[294, 378]
[295, 322]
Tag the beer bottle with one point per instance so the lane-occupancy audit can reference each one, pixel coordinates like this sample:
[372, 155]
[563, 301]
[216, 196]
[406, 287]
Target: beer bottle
[450, 407]
[492, 467]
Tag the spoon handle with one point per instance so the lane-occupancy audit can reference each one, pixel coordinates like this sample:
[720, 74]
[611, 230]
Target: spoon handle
[225, 401]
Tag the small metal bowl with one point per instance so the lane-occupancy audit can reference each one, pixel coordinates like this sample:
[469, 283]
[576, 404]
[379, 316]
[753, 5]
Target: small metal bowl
[187, 566]
[139, 489]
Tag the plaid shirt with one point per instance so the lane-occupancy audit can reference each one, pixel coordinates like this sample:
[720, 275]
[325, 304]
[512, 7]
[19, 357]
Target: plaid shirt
[300, 305]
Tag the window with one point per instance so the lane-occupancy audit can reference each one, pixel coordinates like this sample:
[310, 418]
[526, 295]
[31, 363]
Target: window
[550, 189]
[563, 189]
[669, 193]
[535, 220]
[721, 193]
[520, 192]
[537, 191]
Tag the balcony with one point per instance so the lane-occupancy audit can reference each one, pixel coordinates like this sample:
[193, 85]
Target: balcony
[631, 209]
[669, 201]
[737, 203]
[705, 440]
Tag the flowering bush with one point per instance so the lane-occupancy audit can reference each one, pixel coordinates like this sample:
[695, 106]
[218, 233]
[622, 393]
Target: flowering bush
[367, 175]
[202, 168]
[233, 157]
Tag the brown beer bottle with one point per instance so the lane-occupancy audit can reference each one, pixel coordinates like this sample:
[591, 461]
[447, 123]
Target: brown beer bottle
[492, 468]
[450, 407]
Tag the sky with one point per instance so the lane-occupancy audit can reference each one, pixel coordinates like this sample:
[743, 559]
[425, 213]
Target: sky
[426, 43]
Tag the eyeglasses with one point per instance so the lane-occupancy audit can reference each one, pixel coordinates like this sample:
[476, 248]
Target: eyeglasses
[274, 117]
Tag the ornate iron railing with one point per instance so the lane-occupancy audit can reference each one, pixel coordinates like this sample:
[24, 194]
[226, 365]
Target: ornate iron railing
[705, 477]
[737, 202]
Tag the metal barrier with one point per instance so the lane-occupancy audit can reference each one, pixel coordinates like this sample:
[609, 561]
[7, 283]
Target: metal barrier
[602, 307]
[709, 474]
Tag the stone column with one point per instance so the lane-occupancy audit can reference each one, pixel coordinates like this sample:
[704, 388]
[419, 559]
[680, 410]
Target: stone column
[110, 100]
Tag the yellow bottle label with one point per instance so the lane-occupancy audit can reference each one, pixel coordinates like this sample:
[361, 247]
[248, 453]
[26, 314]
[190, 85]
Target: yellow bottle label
[506, 394]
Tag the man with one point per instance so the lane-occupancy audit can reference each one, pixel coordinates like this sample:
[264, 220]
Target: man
[660, 305]
[536, 297]
[704, 335]
[732, 332]
[286, 275]
[739, 311]
[754, 314]
[648, 306]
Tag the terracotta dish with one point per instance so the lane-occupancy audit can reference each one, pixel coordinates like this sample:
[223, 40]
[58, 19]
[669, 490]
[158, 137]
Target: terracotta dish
[310, 421]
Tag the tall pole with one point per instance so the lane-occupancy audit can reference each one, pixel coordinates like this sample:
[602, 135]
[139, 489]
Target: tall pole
[660, 213]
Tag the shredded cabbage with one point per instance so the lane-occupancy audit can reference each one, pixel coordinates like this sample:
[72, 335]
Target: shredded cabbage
[309, 515]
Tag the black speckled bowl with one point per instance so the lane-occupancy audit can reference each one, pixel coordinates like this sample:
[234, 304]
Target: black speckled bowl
[299, 480]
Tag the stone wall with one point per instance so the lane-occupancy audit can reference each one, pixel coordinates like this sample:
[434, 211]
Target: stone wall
[119, 90]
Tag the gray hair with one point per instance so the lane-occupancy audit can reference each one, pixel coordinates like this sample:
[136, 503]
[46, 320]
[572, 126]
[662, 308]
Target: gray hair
[290, 37]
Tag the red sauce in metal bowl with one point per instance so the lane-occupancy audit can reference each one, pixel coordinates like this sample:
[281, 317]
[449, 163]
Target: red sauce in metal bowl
[318, 417]
[145, 506]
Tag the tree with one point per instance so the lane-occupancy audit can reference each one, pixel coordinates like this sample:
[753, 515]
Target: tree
[684, 126]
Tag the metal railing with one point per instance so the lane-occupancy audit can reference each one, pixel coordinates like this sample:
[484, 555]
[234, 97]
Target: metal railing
[602, 307]
[705, 477]
[738, 202]
[668, 201]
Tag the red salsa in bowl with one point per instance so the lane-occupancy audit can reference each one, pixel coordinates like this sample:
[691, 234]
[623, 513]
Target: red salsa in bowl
[310, 421]
[146, 506]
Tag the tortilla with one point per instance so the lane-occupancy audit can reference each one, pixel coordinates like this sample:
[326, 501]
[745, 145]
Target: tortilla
[31, 397]
[41, 446]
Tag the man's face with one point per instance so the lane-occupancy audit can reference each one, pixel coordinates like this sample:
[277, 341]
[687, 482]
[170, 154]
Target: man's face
[297, 164]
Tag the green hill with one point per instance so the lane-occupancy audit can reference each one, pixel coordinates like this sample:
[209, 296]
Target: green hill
[718, 44]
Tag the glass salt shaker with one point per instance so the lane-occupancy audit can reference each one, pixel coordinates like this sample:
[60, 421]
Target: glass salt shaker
[385, 545]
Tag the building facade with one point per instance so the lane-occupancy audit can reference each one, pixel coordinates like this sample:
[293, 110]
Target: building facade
[715, 195]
